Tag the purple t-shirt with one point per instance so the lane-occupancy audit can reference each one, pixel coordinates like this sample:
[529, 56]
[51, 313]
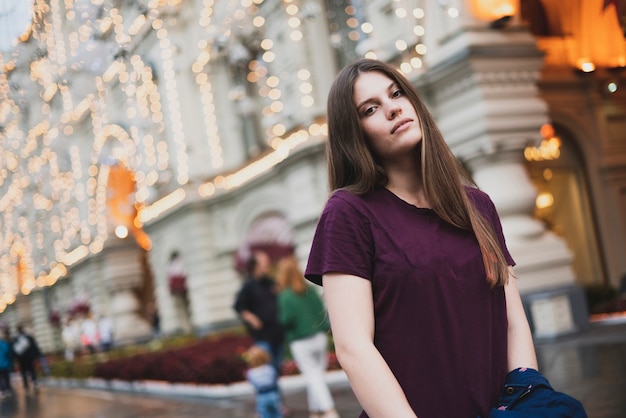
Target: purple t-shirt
[438, 324]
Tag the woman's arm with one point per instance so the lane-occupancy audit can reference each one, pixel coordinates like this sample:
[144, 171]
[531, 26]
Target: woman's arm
[520, 341]
[351, 311]
[251, 319]
[242, 304]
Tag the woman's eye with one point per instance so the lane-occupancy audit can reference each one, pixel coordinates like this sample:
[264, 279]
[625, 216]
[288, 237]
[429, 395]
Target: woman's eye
[369, 110]
[396, 93]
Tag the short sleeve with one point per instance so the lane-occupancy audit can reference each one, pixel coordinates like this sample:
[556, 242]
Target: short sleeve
[486, 207]
[342, 243]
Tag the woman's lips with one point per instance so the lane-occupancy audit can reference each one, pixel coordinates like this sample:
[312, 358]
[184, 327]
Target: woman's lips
[400, 124]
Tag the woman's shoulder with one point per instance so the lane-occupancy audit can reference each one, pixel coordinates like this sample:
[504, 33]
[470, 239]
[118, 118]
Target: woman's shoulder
[483, 203]
[478, 197]
[343, 196]
[249, 284]
[342, 199]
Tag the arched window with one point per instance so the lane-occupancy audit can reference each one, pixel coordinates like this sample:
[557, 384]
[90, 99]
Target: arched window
[563, 203]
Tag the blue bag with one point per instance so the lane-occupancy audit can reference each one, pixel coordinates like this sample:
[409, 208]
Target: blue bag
[528, 394]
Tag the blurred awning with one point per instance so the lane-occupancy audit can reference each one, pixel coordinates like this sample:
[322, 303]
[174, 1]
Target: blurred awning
[271, 234]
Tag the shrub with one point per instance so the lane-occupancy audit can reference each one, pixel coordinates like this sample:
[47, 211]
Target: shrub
[210, 360]
[216, 359]
[79, 370]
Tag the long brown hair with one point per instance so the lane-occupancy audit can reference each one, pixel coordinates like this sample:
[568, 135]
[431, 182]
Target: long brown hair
[290, 276]
[353, 166]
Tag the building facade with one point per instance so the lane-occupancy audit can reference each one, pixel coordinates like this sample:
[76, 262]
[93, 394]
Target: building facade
[132, 130]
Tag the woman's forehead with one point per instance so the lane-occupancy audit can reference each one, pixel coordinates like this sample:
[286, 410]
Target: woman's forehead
[369, 84]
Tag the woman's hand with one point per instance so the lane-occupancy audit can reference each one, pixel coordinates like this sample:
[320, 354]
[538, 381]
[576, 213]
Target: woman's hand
[252, 320]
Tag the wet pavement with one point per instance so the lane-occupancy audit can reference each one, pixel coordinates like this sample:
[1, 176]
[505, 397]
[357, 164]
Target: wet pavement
[55, 402]
[591, 366]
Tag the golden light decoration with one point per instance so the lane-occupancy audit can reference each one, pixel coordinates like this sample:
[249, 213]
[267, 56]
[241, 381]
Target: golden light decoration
[137, 123]
[548, 149]
[586, 66]
[490, 10]
[65, 185]
[544, 200]
[282, 148]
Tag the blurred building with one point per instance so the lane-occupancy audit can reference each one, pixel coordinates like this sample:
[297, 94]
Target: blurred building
[132, 130]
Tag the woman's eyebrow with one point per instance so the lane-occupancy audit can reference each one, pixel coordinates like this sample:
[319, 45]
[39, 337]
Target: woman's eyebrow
[390, 87]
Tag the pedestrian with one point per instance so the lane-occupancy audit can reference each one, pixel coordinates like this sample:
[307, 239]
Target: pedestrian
[70, 334]
[303, 315]
[257, 305]
[6, 364]
[424, 308]
[262, 375]
[156, 323]
[105, 332]
[177, 275]
[89, 337]
[27, 352]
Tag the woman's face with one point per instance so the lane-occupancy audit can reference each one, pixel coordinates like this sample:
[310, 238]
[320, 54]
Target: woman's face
[386, 116]
[262, 267]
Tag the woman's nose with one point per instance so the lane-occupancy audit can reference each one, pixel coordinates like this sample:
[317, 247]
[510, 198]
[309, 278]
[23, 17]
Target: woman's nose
[394, 111]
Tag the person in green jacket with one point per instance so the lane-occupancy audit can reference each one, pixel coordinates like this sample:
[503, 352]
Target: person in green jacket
[302, 313]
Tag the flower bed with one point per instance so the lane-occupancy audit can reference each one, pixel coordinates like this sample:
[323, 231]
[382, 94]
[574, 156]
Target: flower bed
[206, 361]
[213, 360]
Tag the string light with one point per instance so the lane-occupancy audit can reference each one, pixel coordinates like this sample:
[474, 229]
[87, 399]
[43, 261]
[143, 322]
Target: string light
[282, 148]
[65, 182]
[206, 93]
[57, 186]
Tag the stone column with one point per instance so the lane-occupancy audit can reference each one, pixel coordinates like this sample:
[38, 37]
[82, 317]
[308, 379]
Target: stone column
[123, 273]
[555, 304]
[319, 55]
[485, 99]
[46, 335]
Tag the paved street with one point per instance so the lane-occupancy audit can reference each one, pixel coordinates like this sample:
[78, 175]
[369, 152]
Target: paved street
[53, 402]
[590, 366]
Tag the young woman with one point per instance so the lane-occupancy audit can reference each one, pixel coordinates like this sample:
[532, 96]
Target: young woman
[302, 313]
[426, 316]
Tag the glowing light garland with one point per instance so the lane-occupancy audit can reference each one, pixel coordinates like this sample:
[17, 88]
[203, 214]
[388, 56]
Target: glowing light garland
[64, 183]
[63, 188]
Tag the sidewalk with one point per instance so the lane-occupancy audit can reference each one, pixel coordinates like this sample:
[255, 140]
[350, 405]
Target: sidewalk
[610, 330]
[288, 385]
[590, 366]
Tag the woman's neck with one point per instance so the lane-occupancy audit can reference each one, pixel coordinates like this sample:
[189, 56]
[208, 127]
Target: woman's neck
[407, 185]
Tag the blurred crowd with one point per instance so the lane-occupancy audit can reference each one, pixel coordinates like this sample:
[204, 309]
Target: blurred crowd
[280, 310]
